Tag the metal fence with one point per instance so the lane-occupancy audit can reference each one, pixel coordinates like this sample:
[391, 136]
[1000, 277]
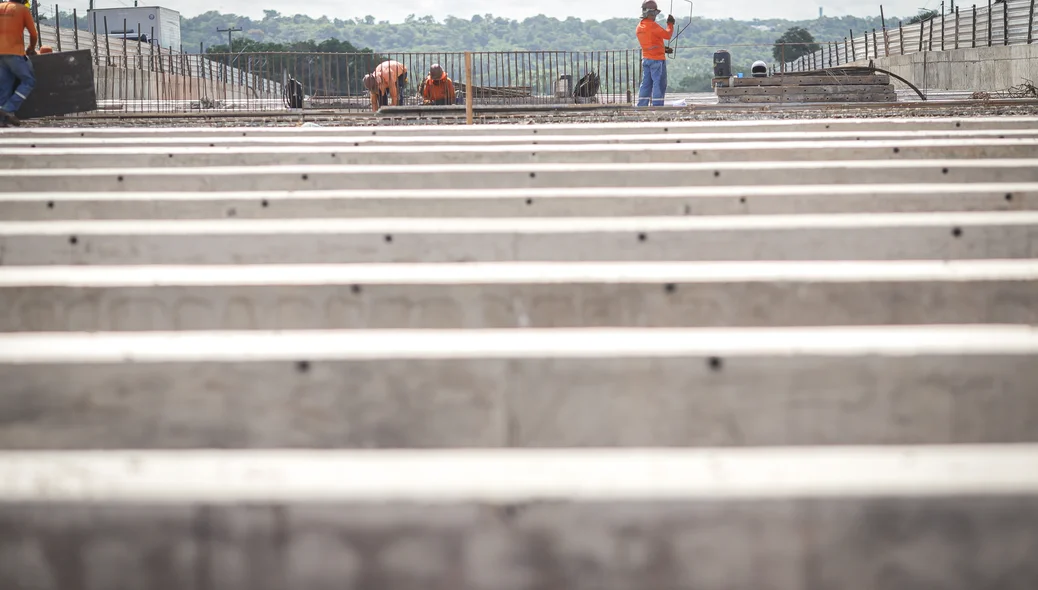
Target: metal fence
[1011, 22]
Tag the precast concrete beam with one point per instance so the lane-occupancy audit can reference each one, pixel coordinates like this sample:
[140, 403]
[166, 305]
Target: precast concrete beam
[550, 202]
[465, 176]
[809, 519]
[520, 295]
[158, 157]
[168, 137]
[636, 127]
[520, 388]
[905, 236]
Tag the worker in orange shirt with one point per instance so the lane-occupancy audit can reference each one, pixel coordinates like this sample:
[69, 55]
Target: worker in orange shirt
[16, 76]
[438, 88]
[652, 38]
[386, 84]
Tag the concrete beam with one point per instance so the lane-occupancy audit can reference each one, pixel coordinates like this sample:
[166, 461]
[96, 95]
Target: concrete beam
[520, 388]
[809, 519]
[158, 157]
[564, 202]
[636, 127]
[299, 297]
[931, 236]
[33, 142]
[462, 176]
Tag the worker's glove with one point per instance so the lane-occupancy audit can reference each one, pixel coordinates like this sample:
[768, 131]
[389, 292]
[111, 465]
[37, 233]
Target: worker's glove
[669, 50]
[670, 19]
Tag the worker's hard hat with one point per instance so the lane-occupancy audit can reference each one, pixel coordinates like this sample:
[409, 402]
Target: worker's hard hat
[759, 69]
[46, 49]
[436, 72]
[370, 83]
[649, 9]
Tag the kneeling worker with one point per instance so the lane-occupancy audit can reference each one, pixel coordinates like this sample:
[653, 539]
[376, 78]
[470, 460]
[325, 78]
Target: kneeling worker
[386, 84]
[651, 37]
[438, 88]
[16, 76]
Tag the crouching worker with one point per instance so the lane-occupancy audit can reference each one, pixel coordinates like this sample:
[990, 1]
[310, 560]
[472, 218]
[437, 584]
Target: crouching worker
[651, 37]
[438, 88]
[386, 84]
[16, 76]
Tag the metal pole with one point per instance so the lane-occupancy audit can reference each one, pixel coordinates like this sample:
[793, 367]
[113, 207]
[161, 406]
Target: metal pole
[57, 26]
[989, 23]
[886, 37]
[956, 27]
[1005, 23]
[930, 40]
[942, 26]
[1030, 24]
[854, 51]
[901, 37]
[75, 28]
[875, 45]
[921, 25]
[973, 37]
[468, 88]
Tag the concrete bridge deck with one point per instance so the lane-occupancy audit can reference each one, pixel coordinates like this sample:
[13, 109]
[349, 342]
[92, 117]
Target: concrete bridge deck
[529, 202]
[660, 376]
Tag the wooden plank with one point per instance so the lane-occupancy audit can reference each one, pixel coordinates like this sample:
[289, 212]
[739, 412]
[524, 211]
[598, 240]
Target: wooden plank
[780, 90]
[64, 85]
[820, 80]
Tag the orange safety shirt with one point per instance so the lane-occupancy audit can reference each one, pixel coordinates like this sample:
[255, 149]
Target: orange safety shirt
[15, 18]
[434, 92]
[386, 74]
[651, 36]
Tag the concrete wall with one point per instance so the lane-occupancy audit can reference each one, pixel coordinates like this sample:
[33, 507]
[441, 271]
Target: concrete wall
[978, 69]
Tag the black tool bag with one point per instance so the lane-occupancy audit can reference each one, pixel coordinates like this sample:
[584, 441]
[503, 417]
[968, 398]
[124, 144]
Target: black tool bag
[293, 94]
[588, 86]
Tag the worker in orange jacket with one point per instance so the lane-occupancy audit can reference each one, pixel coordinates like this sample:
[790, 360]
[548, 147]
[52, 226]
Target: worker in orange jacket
[16, 75]
[386, 84]
[438, 88]
[652, 38]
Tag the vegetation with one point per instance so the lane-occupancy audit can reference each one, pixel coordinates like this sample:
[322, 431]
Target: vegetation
[794, 44]
[922, 16]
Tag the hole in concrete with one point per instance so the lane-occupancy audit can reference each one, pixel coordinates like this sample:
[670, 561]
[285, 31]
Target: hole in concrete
[897, 150]
[665, 130]
[50, 204]
[957, 232]
[670, 287]
[534, 154]
[171, 155]
[679, 141]
[355, 144]
[529, 201]
[265, 203]
[303, 366]
[944, 170]
[212, 145]
[232, 212]
[533, 175]
[120, 178]
[306, 177]
[688, 210]
[715, 363]
[355, 289]
[333, 155]
[388, 238]
[82, 134]
[244, 134]
[73, 240]
[826, 126]
[716, 173]
[742, 200]
[958, 124]
[535, 132]
[1009, 196]
[642, 237]
[374, 132]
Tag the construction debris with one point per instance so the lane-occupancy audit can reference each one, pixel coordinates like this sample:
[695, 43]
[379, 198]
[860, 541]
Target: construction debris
[1025, 90]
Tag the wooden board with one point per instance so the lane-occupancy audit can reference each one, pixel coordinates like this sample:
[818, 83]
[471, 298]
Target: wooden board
[820, 80]
[809, 98]
[779, 90]
[64, 85]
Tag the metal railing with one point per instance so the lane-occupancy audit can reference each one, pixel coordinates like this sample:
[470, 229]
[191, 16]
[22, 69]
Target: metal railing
[1011, 22]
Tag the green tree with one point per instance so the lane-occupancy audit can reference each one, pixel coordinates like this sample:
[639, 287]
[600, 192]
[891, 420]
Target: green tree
[922, 16]
[794, 44]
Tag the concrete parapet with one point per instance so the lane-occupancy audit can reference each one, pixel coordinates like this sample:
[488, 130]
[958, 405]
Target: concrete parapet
[978, 69]
[520, 388]
[89, 299]
[940, 236]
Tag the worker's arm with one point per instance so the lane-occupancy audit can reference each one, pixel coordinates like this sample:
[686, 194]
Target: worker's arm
[451, 93]
[374, 102]
[394, 94]
[668, 32]
[33, 36]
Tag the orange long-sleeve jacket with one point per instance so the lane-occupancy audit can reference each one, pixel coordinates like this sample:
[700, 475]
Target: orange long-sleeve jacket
[651, 36]
[15, 18]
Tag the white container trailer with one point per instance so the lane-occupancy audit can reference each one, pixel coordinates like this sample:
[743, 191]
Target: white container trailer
[160, 26]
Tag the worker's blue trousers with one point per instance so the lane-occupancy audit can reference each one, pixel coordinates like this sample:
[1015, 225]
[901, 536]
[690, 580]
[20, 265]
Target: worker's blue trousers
[654, 82]
[16, 81]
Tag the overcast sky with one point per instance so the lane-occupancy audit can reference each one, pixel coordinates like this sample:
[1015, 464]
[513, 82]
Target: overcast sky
[396, 10]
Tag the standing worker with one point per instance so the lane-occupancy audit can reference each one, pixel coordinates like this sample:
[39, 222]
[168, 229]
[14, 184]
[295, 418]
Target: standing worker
[16, 76]
[652, 36]
[438, 88]
[386, 84]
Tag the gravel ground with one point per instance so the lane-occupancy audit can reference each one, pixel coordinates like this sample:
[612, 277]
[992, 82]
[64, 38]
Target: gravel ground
[569, 115]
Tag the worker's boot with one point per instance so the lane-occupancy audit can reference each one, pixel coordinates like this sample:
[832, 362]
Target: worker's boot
[9, 119]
